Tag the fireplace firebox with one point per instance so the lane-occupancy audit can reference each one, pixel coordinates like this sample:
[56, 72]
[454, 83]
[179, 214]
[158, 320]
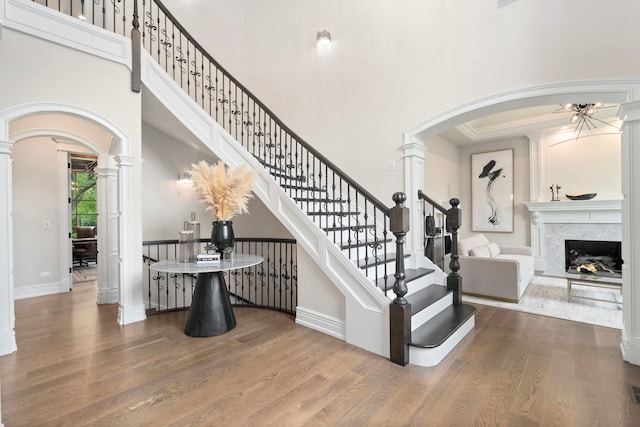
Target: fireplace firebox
[595, 257]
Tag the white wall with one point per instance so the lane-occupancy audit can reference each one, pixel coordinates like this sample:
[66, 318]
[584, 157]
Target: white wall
[36, 198]
[396, 63]
[441, 170]
[591, 164]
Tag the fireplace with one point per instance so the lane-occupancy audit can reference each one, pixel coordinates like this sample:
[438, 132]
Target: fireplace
[595, 257]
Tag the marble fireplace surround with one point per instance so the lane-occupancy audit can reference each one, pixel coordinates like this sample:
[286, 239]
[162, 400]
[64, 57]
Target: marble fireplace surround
[554, 222]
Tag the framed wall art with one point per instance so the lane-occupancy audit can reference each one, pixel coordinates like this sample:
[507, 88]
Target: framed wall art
[492, 191]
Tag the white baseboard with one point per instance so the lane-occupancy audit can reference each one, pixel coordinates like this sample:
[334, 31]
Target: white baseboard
[108, 296]
[8, 342]
[131, 314]
[326, 324]
[630, 348]
[32, 291]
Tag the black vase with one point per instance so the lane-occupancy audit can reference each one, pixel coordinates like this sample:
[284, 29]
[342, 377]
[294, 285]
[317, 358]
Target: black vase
[222, 237]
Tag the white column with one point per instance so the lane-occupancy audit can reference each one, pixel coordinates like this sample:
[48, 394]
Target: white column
[130, 273]
[414, 180]
[7, 316]
[630, 113]
[108, 257]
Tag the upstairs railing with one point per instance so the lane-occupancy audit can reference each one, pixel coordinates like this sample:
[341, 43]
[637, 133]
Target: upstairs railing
[351, 216]
[272, 284]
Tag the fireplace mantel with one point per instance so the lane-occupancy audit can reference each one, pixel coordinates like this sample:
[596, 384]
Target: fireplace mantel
[551, 222]
[576, 212]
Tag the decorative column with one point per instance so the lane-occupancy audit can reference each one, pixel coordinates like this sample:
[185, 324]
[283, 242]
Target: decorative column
[630, 113]
[108, 260]
[7, 316]
[130, 272]
[413, 155]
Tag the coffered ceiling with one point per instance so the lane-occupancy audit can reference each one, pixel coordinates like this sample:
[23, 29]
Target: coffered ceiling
[522, 122]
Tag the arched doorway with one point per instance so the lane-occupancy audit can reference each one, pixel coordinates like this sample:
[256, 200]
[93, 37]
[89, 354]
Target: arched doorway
[80, 127]
[624, 93]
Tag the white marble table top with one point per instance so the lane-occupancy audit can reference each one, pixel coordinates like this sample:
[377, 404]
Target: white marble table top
[236, 261]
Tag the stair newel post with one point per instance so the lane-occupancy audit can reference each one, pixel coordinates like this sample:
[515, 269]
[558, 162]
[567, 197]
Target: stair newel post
[454, 280]
[136, 80]
[400, 309]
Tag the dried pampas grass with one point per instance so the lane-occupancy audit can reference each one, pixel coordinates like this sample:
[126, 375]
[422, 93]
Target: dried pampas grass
[225, 191]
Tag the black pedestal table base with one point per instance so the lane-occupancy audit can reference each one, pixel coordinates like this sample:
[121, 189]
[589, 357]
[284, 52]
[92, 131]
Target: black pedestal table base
[211, 312]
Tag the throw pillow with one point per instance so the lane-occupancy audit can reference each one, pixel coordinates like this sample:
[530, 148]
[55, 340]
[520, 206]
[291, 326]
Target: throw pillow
[481, 251]
[494, 249]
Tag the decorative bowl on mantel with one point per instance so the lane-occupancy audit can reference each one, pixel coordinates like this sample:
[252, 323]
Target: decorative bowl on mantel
[587, 196]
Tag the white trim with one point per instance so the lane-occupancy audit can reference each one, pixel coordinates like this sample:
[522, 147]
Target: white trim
[616, 91]
[7, 342]
[575, 207]
[108, 296]
[7, 316]
[65, 259]
[414, 157]
[131, 314]
[32, 291]
[46, 23]
[321, 322]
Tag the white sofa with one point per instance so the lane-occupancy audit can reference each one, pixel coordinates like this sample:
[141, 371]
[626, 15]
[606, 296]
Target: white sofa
[492, 271]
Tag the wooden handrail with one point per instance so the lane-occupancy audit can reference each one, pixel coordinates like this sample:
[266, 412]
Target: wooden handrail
[432, 202]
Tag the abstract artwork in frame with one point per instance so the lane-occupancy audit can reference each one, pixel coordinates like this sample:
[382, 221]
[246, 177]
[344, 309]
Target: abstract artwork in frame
[492, 191]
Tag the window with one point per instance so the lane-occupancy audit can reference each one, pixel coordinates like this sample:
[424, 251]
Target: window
[84, 209]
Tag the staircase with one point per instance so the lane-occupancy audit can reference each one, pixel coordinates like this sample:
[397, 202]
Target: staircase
[344, 228]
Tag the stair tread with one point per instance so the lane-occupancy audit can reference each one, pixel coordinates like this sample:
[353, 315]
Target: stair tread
[303, 188]
[410, 275]
[348, 227]
[287, 176]
[313, 199]
[361, 244]
[332, 213]
[435, 331]
[425, 297]
[378, 260]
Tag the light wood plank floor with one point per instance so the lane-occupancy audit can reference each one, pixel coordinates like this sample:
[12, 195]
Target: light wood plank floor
[75, 366]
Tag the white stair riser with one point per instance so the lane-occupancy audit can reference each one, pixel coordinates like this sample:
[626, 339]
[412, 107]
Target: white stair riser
[423, 316]
[433, 356]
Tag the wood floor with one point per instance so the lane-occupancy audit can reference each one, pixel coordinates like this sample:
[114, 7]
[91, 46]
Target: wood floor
[75, 366]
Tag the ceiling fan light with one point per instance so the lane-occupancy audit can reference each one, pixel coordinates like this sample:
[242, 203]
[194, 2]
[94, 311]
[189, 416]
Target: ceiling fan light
[575, 117]
[591, 111]
[568, 106]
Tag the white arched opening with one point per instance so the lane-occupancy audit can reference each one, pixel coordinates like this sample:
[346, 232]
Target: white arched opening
[625, 93]
[114, 177]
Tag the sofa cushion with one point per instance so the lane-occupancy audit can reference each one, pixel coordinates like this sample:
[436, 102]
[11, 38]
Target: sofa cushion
[481, 251]
[465, 245]
[526, 268]
[494, 249]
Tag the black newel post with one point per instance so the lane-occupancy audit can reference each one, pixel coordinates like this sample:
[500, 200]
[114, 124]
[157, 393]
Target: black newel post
[400, 309]
[136, 81]
[454, 221]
